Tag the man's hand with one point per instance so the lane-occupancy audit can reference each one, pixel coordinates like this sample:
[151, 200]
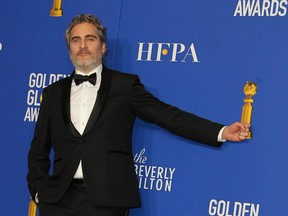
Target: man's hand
[236, 132]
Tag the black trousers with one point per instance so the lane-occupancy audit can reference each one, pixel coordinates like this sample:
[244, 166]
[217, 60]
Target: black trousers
[76, 202]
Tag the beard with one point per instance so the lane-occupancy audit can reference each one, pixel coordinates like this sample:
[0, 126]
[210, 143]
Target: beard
[85, 61]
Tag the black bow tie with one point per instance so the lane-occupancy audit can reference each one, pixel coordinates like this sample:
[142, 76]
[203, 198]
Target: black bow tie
[80, 79]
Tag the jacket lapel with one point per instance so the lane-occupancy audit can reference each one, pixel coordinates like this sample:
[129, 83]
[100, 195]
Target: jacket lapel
[66, 106]
[101, 97]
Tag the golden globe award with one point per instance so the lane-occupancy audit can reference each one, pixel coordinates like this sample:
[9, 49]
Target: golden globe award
[56, 11]
[32, 208]
[249, 90]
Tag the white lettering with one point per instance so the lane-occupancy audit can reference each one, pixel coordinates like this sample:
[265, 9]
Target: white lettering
[152, 177]
[160, 49]
[274, 8]
[261, 8]
[248, 8]
[237, 209]
[191, 52]
[265, 8]
[238, 10]
[254, 210]
[177, 51]
[31, 114]
[41, 80]
[163, 49]
[212, 207]
[139, 158]
[221, 208]
[33, 97]
[245, 208]
[225, 208]
[257, 9]
[157, 184]
[283, 8]
[149, 51]
[37, 80]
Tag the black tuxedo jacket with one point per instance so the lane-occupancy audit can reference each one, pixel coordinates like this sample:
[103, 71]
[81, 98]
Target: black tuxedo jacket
[105, 146]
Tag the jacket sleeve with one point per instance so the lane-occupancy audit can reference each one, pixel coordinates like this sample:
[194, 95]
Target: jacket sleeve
[182, 123]
[39, 153]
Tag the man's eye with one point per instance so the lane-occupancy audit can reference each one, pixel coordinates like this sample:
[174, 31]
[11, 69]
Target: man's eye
[90, 39]
[75, 40]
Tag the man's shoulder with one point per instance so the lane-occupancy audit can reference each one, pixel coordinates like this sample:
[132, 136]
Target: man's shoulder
[59, 84]
[119, 74]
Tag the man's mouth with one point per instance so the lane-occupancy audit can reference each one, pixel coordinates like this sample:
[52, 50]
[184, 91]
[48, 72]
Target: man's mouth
[83, 53]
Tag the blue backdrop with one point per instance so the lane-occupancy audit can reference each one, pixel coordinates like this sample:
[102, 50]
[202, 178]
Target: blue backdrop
[196, 55]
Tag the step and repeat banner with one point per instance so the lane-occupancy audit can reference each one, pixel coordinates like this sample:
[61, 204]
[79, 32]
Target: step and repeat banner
[194, 54]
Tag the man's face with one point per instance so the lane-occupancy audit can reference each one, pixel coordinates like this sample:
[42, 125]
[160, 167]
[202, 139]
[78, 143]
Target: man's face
[86, 49]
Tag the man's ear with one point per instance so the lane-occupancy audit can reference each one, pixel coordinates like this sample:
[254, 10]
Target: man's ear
[103, 48]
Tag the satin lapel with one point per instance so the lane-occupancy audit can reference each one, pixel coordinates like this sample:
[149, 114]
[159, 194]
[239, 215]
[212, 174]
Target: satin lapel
[66, 106]
[101, 97]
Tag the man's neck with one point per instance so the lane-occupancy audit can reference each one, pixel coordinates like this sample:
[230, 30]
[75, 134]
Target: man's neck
[88, 70]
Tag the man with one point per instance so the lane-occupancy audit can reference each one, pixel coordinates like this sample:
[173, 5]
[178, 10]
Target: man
[87, 119]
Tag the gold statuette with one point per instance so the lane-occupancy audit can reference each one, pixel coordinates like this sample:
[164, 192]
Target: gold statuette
[249, 90]
[32, 211]
[56, 11]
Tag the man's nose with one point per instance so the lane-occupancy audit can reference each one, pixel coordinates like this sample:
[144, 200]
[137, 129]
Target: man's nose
[83, 43]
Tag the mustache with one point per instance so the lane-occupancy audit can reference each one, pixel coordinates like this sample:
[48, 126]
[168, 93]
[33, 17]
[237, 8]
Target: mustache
[83, 51]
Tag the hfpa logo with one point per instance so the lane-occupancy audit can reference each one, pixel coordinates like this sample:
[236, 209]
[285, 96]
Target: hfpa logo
[174, 52]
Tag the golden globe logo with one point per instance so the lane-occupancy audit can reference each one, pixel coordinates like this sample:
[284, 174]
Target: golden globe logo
[37, 82]
[172, 52]
[1, 46]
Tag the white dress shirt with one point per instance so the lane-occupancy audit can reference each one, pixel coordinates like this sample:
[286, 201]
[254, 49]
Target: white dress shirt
[82, 100]
[219, 139]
